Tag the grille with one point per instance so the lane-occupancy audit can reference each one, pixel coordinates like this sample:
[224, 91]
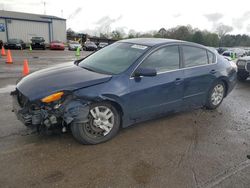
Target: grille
[22, 100]
[248, 66]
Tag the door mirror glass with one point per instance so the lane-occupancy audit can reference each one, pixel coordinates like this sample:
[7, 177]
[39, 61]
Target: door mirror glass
[145, 72]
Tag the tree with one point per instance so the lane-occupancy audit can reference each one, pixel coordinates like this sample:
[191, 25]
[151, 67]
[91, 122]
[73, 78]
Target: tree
[222, 30]
[117, 35]
[198, 37]
[211, 39]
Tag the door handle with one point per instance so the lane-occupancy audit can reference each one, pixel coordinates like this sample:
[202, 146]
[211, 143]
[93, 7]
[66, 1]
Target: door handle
[213, 71]
[178, 81]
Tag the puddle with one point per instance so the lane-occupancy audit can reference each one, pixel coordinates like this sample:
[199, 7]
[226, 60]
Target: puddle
[7, 89]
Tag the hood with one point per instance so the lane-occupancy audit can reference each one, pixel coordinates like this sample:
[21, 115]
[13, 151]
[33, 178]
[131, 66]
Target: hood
[62, 77]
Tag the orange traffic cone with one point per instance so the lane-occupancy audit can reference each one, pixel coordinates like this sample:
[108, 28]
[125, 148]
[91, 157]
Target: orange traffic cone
[9, 58]
[3, 51]
[26, 69]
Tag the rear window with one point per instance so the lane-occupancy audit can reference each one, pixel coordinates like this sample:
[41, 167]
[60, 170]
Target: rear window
[194, 56]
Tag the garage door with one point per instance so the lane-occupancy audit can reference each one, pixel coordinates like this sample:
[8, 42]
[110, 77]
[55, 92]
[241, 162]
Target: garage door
[25, 30]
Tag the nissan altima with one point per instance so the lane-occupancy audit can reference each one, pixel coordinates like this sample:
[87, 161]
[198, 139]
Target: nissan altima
[130, 81]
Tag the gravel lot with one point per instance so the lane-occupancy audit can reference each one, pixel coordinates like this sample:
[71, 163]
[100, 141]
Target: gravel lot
[198, 148]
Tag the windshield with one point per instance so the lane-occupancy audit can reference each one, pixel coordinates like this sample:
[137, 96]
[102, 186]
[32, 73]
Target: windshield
[13, 40]
[74, 42]
[90, 43]
[226, 54]
[37, 38]
[113, 59]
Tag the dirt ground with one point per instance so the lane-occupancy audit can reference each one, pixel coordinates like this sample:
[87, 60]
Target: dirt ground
[198, 148]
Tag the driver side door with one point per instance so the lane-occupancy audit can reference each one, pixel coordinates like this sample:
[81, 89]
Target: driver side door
[152, 96]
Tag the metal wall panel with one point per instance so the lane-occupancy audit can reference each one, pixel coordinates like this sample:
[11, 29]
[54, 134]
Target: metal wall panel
[59, 30]
[3, 33]
[25, 30]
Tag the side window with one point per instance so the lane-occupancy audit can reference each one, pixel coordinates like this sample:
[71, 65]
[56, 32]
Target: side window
[194, 56]
[164, 59]
[211, 57]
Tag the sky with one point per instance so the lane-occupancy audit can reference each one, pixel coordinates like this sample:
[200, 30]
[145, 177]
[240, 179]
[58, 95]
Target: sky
[94, 16]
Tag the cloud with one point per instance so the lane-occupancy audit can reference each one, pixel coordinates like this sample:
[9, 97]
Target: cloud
[177, 15]
[223, 29]
[74, 13]
[213, 17]
[239, 22]
[104, 24]
[248, 28]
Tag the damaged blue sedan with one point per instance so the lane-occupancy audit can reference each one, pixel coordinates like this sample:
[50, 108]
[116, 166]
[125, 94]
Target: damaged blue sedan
[122, 84]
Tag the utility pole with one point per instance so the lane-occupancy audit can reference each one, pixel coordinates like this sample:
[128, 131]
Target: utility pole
[44, 6]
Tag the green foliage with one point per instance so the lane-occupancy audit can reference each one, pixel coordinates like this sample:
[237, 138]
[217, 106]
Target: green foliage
[186, 33]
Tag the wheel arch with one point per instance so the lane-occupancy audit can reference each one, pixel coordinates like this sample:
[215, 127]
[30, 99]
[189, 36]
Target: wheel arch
[225, 82]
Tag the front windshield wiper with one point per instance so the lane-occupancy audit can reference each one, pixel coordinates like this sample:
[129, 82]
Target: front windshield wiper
[97, 71]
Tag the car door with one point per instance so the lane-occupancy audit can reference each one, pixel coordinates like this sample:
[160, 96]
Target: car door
[199, 74]
[157, 95]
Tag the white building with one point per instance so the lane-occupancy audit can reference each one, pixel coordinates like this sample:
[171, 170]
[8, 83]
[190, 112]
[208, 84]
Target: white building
[25, 26]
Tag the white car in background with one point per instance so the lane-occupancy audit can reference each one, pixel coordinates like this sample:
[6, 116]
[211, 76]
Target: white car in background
[73, 45]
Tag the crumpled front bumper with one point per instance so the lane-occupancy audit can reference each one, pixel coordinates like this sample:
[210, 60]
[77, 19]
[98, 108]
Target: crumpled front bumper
[56, 115]
[21, 113]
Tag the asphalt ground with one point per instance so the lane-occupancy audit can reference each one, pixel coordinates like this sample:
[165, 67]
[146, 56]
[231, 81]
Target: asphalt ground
[197, 148]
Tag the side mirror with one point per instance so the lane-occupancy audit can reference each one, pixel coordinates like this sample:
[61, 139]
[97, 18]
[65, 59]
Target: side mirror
[248, 67]
[150, 72]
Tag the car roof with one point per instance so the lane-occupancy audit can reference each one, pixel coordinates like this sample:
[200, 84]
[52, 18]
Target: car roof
[158, 41]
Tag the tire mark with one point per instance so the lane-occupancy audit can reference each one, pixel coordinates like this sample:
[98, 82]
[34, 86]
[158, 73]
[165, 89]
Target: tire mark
[226, 174]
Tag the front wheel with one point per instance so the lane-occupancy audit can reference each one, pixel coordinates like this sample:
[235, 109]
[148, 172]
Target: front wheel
[215, 95]
[103, 124]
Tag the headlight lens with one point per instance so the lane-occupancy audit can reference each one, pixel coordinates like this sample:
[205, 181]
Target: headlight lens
[53, 97]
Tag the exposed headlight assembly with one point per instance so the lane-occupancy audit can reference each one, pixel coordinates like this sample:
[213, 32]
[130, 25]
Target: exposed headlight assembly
[53, 97]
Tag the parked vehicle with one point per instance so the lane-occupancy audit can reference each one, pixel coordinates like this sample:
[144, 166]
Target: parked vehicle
[241, 63]
[102, 45]
[1, 44]
[57, 45]
[221, 50]
[228, 55]
[38, 43]
[73, 45]
[15, 44]
[88, 45]
[248, 66]
[124, 83]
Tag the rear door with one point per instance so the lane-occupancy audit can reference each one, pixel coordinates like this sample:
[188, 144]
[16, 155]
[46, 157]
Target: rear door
[199, 74]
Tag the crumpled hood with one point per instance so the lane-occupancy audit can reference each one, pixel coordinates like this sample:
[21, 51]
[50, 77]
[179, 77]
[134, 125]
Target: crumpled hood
[62, 77]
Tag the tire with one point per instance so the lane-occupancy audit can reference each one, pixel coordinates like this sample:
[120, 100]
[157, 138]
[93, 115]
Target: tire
[216, 95]
[242, 77]
[89, 133]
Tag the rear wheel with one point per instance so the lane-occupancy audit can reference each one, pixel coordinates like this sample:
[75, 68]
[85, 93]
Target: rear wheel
[103, 124]
[216, 95]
